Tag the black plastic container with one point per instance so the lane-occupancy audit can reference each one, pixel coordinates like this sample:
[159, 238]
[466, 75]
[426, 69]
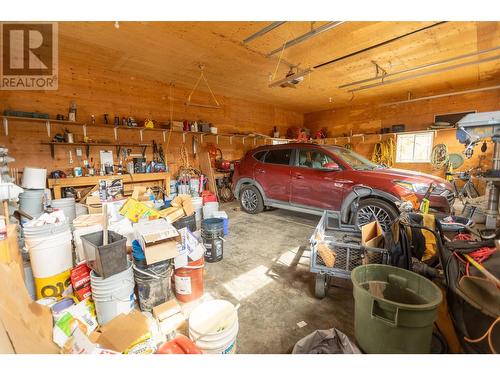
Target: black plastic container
[187, 221]
[106, 260]
[212, 234]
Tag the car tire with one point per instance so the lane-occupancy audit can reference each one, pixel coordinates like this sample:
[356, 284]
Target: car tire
[372, 208]
[250, 200]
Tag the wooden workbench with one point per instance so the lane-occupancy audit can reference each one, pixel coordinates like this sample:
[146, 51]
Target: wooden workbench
[162, 179]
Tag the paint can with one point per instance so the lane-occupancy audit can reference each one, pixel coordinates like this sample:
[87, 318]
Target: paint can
[31, 201]
[153, 283]
[188, 281]
[209, 208]
[212, 233]
[34, 178]
[213, 327]
[51, 257]
[67, 205]
[114, 295]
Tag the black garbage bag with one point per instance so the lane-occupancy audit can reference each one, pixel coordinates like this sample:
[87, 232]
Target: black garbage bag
[327, 341]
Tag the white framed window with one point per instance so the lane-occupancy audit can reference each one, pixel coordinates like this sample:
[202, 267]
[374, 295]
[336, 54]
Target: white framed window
[414, 147]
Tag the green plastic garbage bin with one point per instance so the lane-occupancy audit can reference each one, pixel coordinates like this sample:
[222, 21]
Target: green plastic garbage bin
[394, 309]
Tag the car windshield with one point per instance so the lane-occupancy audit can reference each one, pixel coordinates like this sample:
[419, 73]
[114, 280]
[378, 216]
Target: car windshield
[356, 161]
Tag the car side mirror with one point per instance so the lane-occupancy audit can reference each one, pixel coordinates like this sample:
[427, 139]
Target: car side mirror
[332, 166]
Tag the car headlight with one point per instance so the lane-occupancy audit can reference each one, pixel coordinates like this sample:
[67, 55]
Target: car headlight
[415, 187]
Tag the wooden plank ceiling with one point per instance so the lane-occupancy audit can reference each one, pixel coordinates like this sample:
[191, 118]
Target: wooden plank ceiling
[171, 52]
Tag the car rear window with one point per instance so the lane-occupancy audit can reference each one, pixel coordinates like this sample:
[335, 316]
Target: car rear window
[281, 156]
[259, 155]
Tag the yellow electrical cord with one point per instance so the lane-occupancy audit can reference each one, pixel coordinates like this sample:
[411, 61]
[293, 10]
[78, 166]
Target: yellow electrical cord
[383, 152]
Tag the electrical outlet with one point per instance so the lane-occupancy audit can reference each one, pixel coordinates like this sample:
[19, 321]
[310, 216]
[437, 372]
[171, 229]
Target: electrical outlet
[79, 152]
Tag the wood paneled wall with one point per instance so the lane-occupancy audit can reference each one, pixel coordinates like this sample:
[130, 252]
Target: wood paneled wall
[98, 90]
[416, 116]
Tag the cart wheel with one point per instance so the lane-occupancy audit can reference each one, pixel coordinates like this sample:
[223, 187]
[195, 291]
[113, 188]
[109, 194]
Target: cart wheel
[321, 285]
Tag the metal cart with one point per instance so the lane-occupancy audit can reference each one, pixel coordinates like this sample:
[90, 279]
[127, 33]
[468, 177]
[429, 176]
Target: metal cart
[345, 240]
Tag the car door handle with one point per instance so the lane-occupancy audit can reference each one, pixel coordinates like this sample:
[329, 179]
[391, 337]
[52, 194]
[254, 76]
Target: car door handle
[298, 176]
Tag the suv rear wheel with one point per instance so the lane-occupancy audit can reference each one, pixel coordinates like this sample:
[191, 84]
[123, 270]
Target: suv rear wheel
[372, 209]
[250, 200]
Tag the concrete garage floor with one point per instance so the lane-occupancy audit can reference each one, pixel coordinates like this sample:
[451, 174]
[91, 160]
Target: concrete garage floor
[266, 269]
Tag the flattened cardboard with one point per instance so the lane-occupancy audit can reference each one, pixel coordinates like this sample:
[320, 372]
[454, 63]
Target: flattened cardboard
[121, 332]
[166, 309]
[372, 235]
[27, 323]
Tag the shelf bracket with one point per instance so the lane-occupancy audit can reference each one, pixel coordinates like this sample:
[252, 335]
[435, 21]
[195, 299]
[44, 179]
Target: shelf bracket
[47, 125]
[164, 139]
[144, 151]
[115, 132]
[140, 132]
[6, 126]
[84, 128]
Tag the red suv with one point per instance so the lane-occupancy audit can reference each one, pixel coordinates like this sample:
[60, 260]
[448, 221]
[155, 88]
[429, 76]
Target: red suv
[312, 178]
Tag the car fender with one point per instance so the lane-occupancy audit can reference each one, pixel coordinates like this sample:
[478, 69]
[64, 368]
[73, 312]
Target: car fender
[366, 192]
[247, 181]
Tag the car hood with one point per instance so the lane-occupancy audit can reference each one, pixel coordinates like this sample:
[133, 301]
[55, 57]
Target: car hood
[410, 176]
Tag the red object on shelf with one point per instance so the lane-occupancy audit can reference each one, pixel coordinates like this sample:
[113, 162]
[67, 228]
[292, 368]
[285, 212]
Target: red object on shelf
[208, 196]
[179, 345]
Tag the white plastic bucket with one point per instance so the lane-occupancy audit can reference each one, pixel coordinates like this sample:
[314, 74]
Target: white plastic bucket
[113, 295]
[68, 207]
[51, 259]
[213, 326]
[31, 201]
[209, 208]
[50, 254]
[198, 207]
[34, 178]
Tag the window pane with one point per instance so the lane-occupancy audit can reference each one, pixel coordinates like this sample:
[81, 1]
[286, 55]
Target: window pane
[278, 156]
[414, 148]
[259, 155]
[313, 159]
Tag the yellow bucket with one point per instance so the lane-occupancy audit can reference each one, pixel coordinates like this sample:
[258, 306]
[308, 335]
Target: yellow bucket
[52, 286]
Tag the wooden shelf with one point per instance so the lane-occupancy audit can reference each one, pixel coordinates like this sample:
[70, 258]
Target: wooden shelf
[96, 144]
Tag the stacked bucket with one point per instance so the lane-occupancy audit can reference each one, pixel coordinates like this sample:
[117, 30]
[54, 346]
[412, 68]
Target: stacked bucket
[32, 199]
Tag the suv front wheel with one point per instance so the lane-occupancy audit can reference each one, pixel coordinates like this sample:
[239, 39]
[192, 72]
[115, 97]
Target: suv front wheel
[250, 200]
[373, 209]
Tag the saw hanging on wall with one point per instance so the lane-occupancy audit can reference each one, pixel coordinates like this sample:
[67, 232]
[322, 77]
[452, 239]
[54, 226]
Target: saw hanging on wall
[202, 76]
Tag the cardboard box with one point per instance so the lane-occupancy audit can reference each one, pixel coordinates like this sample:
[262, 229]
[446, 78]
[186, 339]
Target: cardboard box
[372, 235]
[183, 201]
[123, 331]
[94, 205]
[140, 193]
[166, 309]
[159, 239]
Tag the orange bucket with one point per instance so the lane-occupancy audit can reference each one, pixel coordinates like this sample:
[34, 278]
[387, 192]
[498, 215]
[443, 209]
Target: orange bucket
[188, 281]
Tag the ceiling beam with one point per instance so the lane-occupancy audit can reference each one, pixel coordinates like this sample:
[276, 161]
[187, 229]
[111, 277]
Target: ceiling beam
[263, 31]
[453, 67]
[497, 87]
[321, 29]
[377, 45]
